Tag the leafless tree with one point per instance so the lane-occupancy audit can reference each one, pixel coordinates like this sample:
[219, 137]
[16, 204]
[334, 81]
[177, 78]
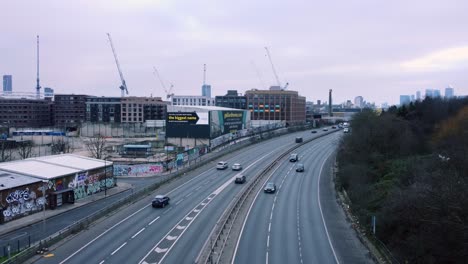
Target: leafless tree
[96, 146]
[5, 151]
[25, 149]
[61, 146]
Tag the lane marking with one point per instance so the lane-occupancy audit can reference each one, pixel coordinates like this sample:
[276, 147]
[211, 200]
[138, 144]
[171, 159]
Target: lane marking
[160, 250]
[154, 220]
[101, 262]
[138, 233]
[171, 238]
[178, 202]
[115, 251]
[188, 195]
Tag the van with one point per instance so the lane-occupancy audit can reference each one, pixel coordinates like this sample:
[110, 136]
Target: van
[298, 140]
[293, 157]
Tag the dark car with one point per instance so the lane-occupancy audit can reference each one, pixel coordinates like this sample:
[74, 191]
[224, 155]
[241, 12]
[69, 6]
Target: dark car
[240, 179]
[298, 140]
[313, 131]
[160, 201]
[334, 127]
[300, 167]
[270, 188]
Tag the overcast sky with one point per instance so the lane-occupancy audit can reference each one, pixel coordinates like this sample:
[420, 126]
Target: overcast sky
[376, 49]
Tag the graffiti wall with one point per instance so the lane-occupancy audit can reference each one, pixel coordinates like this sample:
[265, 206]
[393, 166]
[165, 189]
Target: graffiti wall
[88, 183]
[16, 203]
[138, 170]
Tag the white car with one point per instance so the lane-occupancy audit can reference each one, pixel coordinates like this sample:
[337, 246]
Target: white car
[236, 167]
[346, 130]
[221, 165]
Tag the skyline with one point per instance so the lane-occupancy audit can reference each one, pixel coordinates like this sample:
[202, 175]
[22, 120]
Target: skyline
[376, 50]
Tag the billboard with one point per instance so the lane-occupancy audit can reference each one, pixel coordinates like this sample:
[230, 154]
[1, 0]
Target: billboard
[187, 125]
[225, 122]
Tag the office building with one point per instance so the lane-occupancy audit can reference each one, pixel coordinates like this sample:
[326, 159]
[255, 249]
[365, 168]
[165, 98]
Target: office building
[103, 109]
[358, 101]
[429, 93]
[69, 110]
[418, 95]
[7, 84]
[48, 92]
[436, 93]
[193, 100]
[31, 113]
[449, 93]
[232, 100]
[141, 109]
[274, 104]
[404, 100]
[206, 90]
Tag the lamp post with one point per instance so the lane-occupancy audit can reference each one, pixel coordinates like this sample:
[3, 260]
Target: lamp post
[105, 176]
[44, 184]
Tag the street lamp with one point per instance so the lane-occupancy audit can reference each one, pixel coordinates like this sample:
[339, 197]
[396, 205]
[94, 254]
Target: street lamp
[44, 184]
[105, 176]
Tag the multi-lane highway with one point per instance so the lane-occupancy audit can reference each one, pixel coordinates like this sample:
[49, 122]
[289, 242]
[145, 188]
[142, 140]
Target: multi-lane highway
[176, 233]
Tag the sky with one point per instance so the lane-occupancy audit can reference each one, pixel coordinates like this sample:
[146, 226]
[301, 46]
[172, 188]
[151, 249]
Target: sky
[371, 48]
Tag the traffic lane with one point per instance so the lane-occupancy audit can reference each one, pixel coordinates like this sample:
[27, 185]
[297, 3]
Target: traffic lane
[286, 235]
[348, 247]
[252, 245]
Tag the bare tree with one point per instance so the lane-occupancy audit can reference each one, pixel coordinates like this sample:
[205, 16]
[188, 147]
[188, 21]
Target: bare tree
[25, 149]
[96, 146]
[5, 151]
[61, 146]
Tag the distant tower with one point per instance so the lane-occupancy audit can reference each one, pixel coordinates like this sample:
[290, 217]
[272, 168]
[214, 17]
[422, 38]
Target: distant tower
[358, 101]
[429, 93]
[38, 86]
[449, 93]
[206, 88]
[330, 113]
[7, 84]
[418, 95]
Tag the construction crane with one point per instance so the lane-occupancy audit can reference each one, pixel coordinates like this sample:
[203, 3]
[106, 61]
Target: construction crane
[38, 86]
[123, 86]
[169, 93]
[274, 71]
[259, 76]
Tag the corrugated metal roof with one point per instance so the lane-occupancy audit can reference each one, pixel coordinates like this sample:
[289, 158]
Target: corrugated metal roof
[74, 161]
[37, 169]
[10, 180]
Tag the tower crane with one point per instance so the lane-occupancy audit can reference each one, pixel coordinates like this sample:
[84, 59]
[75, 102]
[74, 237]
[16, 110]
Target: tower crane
[168, 92]
[274, 71]
[38, 86]
[123, 86]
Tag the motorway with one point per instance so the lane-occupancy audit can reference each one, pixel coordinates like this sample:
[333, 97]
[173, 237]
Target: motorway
[292, 225]
[175, 234]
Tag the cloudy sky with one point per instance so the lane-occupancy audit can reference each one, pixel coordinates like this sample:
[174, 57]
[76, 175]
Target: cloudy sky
[377, 49]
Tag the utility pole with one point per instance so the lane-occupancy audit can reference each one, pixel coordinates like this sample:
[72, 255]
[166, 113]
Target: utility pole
[38, 86]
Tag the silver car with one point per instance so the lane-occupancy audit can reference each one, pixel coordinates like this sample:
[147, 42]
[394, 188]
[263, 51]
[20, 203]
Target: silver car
[236, 167]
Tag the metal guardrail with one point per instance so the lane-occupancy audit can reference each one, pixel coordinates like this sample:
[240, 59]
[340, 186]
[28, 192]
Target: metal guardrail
[219, 236]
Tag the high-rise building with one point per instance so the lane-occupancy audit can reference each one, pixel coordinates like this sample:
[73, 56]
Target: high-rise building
[405, 99]
[436, 93]
[412, 98]
[232, 100]
[358, 101]
[429, 93]
[418, 95]
[48, 92]
[206, 90]
[7, 83]
[449, 93]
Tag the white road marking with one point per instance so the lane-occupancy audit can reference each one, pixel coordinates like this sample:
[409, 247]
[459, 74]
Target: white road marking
[178, 202]
[188, 195]
[160, 250]
[266, 258]
[115, 251]
[154, 220]
[171, 238]
[101, 262]
[188, 218]
[198, 188]
[138, 233]
[196, 210]
[180, 227]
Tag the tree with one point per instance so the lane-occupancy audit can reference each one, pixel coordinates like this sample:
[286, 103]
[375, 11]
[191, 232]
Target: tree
[96, 146]
[25, 149]
[5, 151]
[61, 146]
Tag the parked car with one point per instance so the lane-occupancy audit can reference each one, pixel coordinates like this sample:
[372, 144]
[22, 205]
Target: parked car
[221, 165]
[236, 167]
[313, 131]
[300, 167]
[240, 179]
[299, 140]
[334, 127]
[270, 188]
[160, 201]
[293, 157]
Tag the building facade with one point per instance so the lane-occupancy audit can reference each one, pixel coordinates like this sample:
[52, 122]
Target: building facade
[69, 110]
[103, 109]
[358, 101]
[449, 93]
[25, 112]
[141, 109]
[206, 90]
[231, 100]
[282, 105]
[193, 100]
[7, 83]
[405, 99]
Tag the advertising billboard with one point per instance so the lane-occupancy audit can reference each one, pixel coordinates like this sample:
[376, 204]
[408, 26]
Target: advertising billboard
[187, 125]
[225, 122]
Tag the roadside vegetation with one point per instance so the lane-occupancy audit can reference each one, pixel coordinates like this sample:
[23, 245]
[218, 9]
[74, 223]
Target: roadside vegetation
[408, 167]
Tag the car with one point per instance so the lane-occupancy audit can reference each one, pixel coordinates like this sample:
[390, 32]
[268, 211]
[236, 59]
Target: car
[270, 188]
[160, 201]
[221, 165]
[298, 140]
[313, 131]
[300, 167]
[325, 129]
[333, 127]
[236, 167]
[346, 130]
[240, 179]
[293, 157]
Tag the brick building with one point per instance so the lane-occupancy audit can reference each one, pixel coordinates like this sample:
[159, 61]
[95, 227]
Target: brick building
[22, 112]
[140, 109]
[231, 100]
[69, 110]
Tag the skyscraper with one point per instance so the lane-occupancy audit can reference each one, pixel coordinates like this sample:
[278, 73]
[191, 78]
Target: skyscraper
[449, 92]
[436, 93]
[7, 83]
[418, 95]
[206, 90]
[358, 101]
[429, 93]
[405, 99]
